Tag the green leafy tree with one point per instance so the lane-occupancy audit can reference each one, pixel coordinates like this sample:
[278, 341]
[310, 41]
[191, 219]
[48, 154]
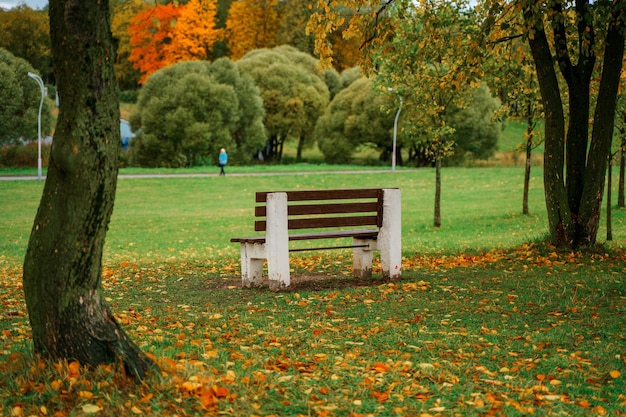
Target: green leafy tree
[25, 33]
[577, 36]
[476, 132]
[20, 97]
[294, 95]
[349, 76]
[511, 71]
[355, 118]
[122, 13]
[68, 312]
[188, 111]
[426, 63]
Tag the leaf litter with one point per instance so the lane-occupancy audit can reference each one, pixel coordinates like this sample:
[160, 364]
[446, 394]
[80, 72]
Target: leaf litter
[526, 331]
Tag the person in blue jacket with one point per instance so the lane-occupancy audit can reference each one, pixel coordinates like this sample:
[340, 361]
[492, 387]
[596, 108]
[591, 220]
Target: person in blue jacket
[223, 160]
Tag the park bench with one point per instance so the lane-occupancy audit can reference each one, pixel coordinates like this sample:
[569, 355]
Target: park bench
[370, 217]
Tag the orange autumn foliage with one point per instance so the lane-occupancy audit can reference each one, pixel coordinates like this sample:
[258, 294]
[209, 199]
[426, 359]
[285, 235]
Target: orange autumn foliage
[151, 32]
[195, 33]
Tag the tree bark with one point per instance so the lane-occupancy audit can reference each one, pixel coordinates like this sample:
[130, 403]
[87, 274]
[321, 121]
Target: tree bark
[602, 135]
[62, 268]
[559, 215]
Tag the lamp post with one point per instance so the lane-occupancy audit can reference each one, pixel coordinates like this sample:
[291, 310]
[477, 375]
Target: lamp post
[39, 81]
[395, 134]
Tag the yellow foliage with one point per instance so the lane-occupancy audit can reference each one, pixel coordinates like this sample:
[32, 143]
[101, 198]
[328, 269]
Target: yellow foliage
[251, 24]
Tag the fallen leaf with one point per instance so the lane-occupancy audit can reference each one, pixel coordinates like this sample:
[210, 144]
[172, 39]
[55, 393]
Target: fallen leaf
[91, 409]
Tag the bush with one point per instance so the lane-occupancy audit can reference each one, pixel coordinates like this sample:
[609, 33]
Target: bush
[22, 156]
[188, 111]
[128, 96]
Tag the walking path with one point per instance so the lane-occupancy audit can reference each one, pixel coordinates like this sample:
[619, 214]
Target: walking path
[200, 175]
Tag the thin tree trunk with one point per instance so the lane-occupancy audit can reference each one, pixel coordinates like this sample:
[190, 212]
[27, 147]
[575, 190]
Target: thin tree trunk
[609, 225]
[62, 269]
[602, 135]
[529, 148]
[437, 192]
[622, 165]
[300, 148]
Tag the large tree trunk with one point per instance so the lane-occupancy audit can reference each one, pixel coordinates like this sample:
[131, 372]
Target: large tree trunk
[62, 268]
[559, 215]
[573, 202]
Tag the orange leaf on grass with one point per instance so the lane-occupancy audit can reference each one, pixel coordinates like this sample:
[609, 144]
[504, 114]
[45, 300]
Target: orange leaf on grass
[221, 392]
[381, 397]
[380, 367]
[74, 368]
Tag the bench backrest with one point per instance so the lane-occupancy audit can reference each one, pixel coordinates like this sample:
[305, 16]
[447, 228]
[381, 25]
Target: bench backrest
[317, 209]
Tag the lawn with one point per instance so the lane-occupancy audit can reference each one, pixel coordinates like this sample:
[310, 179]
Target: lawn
[485, 320]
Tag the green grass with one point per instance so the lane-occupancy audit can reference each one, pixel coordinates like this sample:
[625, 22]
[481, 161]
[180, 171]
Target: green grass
[512, 137]
[482, 323]
[196, 216]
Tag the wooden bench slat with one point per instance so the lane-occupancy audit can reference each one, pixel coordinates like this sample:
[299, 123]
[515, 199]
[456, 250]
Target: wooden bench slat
[363, 233]
[360, 233]
[309, 195]
[304, 209]
[322, 222]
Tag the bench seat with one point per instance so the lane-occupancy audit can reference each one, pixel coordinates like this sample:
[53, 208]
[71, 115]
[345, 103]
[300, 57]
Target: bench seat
[335, 234]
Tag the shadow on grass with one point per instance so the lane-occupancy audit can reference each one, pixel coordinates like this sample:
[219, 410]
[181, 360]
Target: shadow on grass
[304, 282]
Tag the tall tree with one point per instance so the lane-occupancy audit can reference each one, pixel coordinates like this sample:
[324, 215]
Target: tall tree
[196, 32]
[512, 72]
[293, 91]
[69, 316]
[251, 24]
[20, 97]
[425, 62]
[151, 32]
[583, 34]
[25, 33]
[188, 111]
[355, 118]
[576, 159]
[122, 13]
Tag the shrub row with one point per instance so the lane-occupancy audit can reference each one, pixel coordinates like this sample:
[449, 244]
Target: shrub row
[22, 156]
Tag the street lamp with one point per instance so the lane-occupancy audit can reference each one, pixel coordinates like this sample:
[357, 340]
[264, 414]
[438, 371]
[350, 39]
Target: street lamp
[39, 81]
[395, 134]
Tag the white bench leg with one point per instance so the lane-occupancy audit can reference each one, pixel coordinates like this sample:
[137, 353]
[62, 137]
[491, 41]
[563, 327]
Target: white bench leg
[252, 257]
[362, 257]
[277, 241]
[390, 235]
